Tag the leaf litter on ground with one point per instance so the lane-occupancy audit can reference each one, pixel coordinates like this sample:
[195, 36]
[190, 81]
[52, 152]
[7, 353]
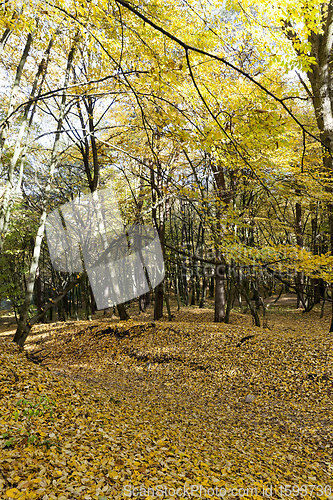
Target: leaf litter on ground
[186, 404]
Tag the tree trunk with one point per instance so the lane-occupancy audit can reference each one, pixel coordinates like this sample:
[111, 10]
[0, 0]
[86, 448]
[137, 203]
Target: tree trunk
[253, 310]
[144, 301]
[21, 332]
[4, 39]
[299, 241]
[211, 287]
[38, 292]
[167, 302]
[12, 188]
[159, 297]
[15, 88]
[9, 187]
[123, 315]
[230, 299]
[24, 325]
[219, 293]
[320, 76]
[203, 292]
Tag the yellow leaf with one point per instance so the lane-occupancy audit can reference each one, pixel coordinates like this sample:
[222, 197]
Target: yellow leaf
[12, 493]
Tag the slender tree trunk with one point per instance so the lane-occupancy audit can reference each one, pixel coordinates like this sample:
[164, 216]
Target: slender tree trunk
[230, 299]
[9, 188]
[177, 292]
[144, 299]
[203, 292]
[224, 196]
[15, 88]
[159, 224]
[331, 234]
[167, 301]
[20, 335]
[4, 39]
[12, 188]
[24, 325]
[211, 287]
[299, 241]
[219, 293]
[159, 298]
[38, 291]
[253, 310]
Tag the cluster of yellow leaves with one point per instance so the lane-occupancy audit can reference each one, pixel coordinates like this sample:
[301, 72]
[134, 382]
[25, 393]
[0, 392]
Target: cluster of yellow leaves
[280, 258]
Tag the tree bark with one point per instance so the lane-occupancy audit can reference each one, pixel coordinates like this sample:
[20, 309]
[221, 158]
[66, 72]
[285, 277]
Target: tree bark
[12, 187]
[320, 77]
[219, 293]
[159, 298]
[123, 315]
[299, 241]
[9, 188]
[24, 325]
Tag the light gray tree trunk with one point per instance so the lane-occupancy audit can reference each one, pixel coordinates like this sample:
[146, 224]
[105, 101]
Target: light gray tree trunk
[23, 328]
[6, 198]
[14, 92]
[4, 39]
[13, 186]
[219, 293]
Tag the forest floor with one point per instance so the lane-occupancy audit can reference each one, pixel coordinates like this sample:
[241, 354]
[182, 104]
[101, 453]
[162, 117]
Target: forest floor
[181, 409]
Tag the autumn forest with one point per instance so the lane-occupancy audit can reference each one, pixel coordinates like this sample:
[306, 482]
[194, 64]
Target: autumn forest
[205, 127]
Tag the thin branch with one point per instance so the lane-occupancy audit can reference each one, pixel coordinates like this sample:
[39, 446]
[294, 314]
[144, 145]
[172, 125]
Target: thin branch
[227, 63]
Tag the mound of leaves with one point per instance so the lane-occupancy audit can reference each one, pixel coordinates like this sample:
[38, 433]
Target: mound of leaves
[183, 410]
